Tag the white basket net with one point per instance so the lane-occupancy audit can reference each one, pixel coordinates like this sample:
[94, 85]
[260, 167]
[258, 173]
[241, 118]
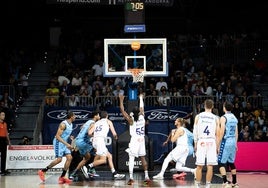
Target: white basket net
[137, 75]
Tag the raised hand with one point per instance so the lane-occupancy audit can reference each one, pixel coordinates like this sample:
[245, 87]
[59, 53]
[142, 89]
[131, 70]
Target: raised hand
[121, 97]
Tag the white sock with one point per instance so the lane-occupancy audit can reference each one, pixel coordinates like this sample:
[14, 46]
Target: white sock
[131, 166]
[146, 174]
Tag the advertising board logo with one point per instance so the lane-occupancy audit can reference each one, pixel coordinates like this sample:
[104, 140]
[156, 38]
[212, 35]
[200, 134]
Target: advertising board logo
[161, 115]
[62, 114]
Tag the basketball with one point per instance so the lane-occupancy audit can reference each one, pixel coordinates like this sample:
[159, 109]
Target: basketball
[135, 45]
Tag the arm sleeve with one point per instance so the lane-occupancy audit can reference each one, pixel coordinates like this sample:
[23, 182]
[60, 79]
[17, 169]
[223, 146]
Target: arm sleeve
[141, 102]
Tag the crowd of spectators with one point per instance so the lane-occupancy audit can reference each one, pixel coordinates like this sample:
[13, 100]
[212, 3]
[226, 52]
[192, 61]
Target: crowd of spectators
[77, 73]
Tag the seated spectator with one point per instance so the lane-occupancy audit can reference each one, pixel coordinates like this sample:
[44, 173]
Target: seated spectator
[107, 87]
[52, 94]
[97, 91]
[175, 92]
[120, 81]
[109, 98]
[219, 93]
[259, 136]
[86, 88]
[7, 100]
[230, 95]
[237, 110]
[65, 90]
[150, 90]
[73, 100]
[208, 89]
[84, 98]
[246, 137]
[197, 90]
[239, 88]
[97, 83]
[263, 119]
[164, 97]
[255, 99]
[161, 83]
[186, 90]
[76, 82]
[118, 91]
[244, 134]
[152, 99]
[192, 81]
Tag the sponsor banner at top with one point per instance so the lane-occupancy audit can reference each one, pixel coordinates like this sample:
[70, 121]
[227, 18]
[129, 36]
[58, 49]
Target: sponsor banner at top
[167, 3]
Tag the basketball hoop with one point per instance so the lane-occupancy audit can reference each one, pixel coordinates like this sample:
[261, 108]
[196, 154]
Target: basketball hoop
[137, 75]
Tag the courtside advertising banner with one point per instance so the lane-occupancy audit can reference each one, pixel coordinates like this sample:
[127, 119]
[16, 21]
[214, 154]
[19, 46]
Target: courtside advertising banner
[160, 121]
[31, 157]
[54, 115]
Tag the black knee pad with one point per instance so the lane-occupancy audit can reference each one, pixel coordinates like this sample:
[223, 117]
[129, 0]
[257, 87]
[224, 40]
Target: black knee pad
[232, 166]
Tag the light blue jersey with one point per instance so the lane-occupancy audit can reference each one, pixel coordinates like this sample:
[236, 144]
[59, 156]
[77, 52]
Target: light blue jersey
[82, 140]
[59, 148]
[228, 145]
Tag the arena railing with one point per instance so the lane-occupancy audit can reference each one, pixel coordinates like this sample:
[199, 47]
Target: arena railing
[196, 102]
[112, 101]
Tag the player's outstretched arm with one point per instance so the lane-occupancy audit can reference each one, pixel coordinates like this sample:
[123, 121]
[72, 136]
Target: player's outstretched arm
[141, 104]
[122, 110]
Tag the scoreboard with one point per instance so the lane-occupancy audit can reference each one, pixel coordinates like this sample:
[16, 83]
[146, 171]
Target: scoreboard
[134, 10]
[166, 3]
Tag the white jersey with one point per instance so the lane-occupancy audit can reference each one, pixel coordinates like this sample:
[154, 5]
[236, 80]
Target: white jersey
[136, 146]
[137, 129]
[181, 151]
[183, 139]
[100, 134]
[101, 128]
[205, 136]
[206, 125]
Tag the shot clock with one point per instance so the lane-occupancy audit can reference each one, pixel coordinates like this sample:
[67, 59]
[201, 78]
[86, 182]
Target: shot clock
[134, 13]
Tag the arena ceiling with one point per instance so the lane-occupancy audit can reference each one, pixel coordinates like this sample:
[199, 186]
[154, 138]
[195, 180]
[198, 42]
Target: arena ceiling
[181, 9]
[34, 16]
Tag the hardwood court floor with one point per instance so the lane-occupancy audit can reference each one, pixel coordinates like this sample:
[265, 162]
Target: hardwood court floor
[31, 180]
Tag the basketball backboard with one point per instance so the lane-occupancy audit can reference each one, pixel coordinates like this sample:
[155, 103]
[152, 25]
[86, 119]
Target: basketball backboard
[151, 56]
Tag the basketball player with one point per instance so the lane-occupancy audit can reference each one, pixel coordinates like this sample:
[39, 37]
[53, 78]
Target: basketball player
[181, 171]
[228, 135]
[84, 145]
[179, 153]
[136, 145]
[99, 131]
[206, 125]
[62, 149]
